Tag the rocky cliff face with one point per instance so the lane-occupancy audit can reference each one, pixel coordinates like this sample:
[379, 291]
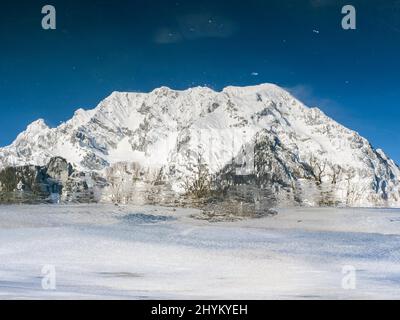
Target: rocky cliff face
[167, 143]
[52, 183]
[30, 183]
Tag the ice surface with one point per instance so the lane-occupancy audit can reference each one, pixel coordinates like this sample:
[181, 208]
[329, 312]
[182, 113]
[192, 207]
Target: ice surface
[109, 252]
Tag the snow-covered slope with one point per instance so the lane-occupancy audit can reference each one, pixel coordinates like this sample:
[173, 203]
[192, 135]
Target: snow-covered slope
[260, 132]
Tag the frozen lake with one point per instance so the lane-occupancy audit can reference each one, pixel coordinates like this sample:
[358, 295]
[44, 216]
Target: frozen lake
[128, 252]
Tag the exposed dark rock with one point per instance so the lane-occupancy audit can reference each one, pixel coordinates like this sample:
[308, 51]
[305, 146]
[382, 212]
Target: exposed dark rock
[27, 183]
[57, 181]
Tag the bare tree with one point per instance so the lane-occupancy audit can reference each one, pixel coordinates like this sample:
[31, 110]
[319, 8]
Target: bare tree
[199, 185]
[351, 189]
[319, 168]
[121, 178]
[336, 173]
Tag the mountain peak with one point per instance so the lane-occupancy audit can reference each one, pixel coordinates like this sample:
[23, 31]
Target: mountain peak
[267, 90]
[257, 87]
[37, 125]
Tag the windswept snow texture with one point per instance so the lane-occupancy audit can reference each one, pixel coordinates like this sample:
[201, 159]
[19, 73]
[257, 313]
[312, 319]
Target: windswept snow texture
[297, 147]
[108, 252]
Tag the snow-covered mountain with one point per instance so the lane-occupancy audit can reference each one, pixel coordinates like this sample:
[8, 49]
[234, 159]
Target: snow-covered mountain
[257, 135]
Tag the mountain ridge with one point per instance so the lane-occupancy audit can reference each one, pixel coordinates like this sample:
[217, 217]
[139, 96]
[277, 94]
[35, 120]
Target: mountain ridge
[261, 131]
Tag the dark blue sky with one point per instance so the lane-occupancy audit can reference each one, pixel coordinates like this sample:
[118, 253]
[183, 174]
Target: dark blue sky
[103, 46]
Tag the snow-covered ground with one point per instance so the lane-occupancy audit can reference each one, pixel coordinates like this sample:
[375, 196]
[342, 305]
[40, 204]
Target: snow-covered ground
[103, 251]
